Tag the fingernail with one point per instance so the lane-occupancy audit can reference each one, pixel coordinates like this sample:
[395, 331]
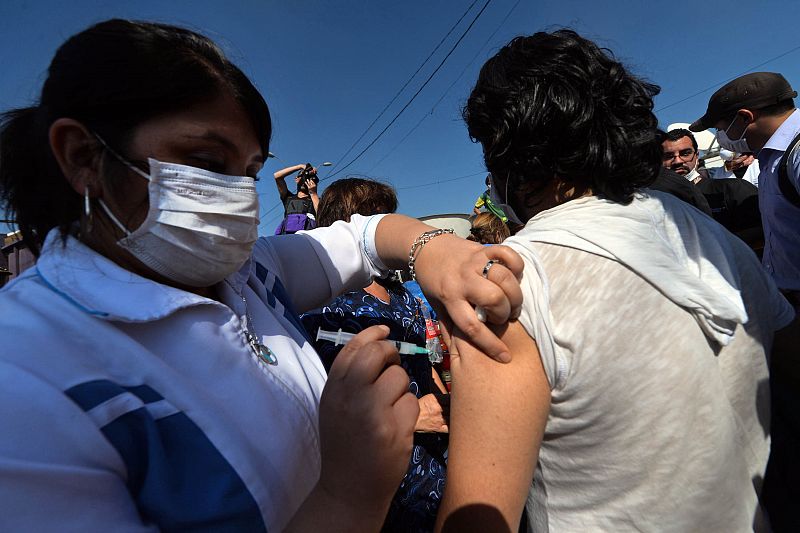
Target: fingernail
[504, 357]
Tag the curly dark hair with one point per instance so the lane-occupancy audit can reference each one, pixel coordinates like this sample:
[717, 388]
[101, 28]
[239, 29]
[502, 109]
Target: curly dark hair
[556, 105]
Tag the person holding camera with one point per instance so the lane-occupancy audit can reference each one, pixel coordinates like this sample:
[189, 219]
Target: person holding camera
[300, 209]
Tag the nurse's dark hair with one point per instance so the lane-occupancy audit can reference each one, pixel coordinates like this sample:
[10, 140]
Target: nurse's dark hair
[111, 77]
[557, 105]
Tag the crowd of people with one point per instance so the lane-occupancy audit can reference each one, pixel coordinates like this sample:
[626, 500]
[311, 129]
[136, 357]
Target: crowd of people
[613, 348]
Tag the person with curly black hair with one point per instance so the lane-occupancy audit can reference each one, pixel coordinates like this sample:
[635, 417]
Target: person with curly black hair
[637, 397]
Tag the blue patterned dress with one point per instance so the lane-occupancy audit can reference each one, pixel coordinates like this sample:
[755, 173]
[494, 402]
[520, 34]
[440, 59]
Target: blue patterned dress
[416, 502]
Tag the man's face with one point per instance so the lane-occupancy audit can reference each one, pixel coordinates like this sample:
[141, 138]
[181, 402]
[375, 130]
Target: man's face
[679, 156]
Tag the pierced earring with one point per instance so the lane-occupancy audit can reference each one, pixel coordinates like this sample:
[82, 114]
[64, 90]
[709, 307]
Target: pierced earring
[87, 210]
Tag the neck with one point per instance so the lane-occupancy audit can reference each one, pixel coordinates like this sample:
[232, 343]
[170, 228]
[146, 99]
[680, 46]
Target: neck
[378, 291]
[767, 128]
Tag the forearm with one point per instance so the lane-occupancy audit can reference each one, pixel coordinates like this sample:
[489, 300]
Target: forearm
[282, 173]
[394, 237]
[314, 200]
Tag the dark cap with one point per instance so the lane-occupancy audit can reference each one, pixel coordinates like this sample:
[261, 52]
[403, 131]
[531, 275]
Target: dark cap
[751, 91]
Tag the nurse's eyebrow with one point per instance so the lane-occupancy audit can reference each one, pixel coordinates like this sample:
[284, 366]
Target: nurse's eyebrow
[216, 137]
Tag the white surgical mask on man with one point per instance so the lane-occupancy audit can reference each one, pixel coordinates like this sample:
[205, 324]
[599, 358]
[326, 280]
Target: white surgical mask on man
[201, 226]
[692, 174]
[734, 145]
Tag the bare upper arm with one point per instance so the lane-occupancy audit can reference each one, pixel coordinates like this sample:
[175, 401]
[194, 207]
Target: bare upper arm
[497, 418]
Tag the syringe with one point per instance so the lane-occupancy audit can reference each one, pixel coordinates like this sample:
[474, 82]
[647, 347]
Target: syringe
[343, 337]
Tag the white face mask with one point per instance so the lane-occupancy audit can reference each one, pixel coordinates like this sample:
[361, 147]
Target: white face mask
[734, 145]
[692, 175]
[201, 226]
[495, 198]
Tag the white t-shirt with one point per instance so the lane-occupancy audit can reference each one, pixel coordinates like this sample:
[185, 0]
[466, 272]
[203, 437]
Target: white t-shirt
[127, 405]
[659, 417]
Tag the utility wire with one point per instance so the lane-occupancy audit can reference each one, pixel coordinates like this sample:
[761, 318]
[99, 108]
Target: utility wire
[439, 101]
[330, 174]
[431, 184]
[471, 24]
[399, 92]
[751, 69]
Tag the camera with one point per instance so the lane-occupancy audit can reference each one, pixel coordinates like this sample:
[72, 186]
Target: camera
[308, 173]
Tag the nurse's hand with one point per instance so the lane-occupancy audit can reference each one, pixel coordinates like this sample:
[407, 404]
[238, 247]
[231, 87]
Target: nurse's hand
[450, 270]
[366, 422]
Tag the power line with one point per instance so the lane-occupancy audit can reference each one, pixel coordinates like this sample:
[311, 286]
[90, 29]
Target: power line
[751, 69]
[471, 24]
[431, 184]
[403, 87]
[426, 115]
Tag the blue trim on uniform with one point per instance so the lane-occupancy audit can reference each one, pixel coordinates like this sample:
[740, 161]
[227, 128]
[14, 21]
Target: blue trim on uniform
[92, 393]
[261, 272]
[278, 293]
[67, 297]
[175, 474]
[145, 393]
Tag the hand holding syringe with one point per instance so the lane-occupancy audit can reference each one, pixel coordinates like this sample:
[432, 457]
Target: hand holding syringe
[342, 337]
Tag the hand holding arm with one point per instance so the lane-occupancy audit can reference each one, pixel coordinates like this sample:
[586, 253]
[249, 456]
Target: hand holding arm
[449, 270]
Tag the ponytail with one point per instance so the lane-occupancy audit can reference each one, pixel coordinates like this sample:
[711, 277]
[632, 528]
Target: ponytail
[33, 190]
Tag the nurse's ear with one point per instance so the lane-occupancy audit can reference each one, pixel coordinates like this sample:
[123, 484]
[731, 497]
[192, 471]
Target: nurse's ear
[78, 154]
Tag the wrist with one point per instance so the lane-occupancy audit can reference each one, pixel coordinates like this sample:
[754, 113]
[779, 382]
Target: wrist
[422, 242]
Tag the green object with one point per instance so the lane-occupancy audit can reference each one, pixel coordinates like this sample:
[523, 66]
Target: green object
[485, 200]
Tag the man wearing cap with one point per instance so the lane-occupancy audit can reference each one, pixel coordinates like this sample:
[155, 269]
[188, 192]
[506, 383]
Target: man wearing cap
[756, 113]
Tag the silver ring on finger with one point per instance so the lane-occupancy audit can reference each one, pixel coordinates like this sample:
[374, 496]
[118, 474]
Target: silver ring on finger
[489, 265]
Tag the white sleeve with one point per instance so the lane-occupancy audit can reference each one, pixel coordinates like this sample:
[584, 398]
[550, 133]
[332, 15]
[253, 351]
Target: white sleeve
[57, 472]
[535, 314]
[317, 265]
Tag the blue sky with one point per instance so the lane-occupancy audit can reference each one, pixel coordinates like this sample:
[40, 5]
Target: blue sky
[328, 68]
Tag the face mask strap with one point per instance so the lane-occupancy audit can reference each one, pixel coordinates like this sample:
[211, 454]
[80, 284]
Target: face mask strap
[114, 219]
[731, 124]
[120, 158]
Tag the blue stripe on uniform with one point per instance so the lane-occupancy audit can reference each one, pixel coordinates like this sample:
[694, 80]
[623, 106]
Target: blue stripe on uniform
[176, 476]
[278, 291]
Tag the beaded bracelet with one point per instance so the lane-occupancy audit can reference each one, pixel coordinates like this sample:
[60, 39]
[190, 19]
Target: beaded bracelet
[421, 241]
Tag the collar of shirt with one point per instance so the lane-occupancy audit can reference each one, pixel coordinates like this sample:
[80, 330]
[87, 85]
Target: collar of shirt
[785, 133]
[102, 288]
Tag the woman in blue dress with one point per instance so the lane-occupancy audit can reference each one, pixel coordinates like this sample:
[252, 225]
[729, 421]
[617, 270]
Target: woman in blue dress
[387, 302]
